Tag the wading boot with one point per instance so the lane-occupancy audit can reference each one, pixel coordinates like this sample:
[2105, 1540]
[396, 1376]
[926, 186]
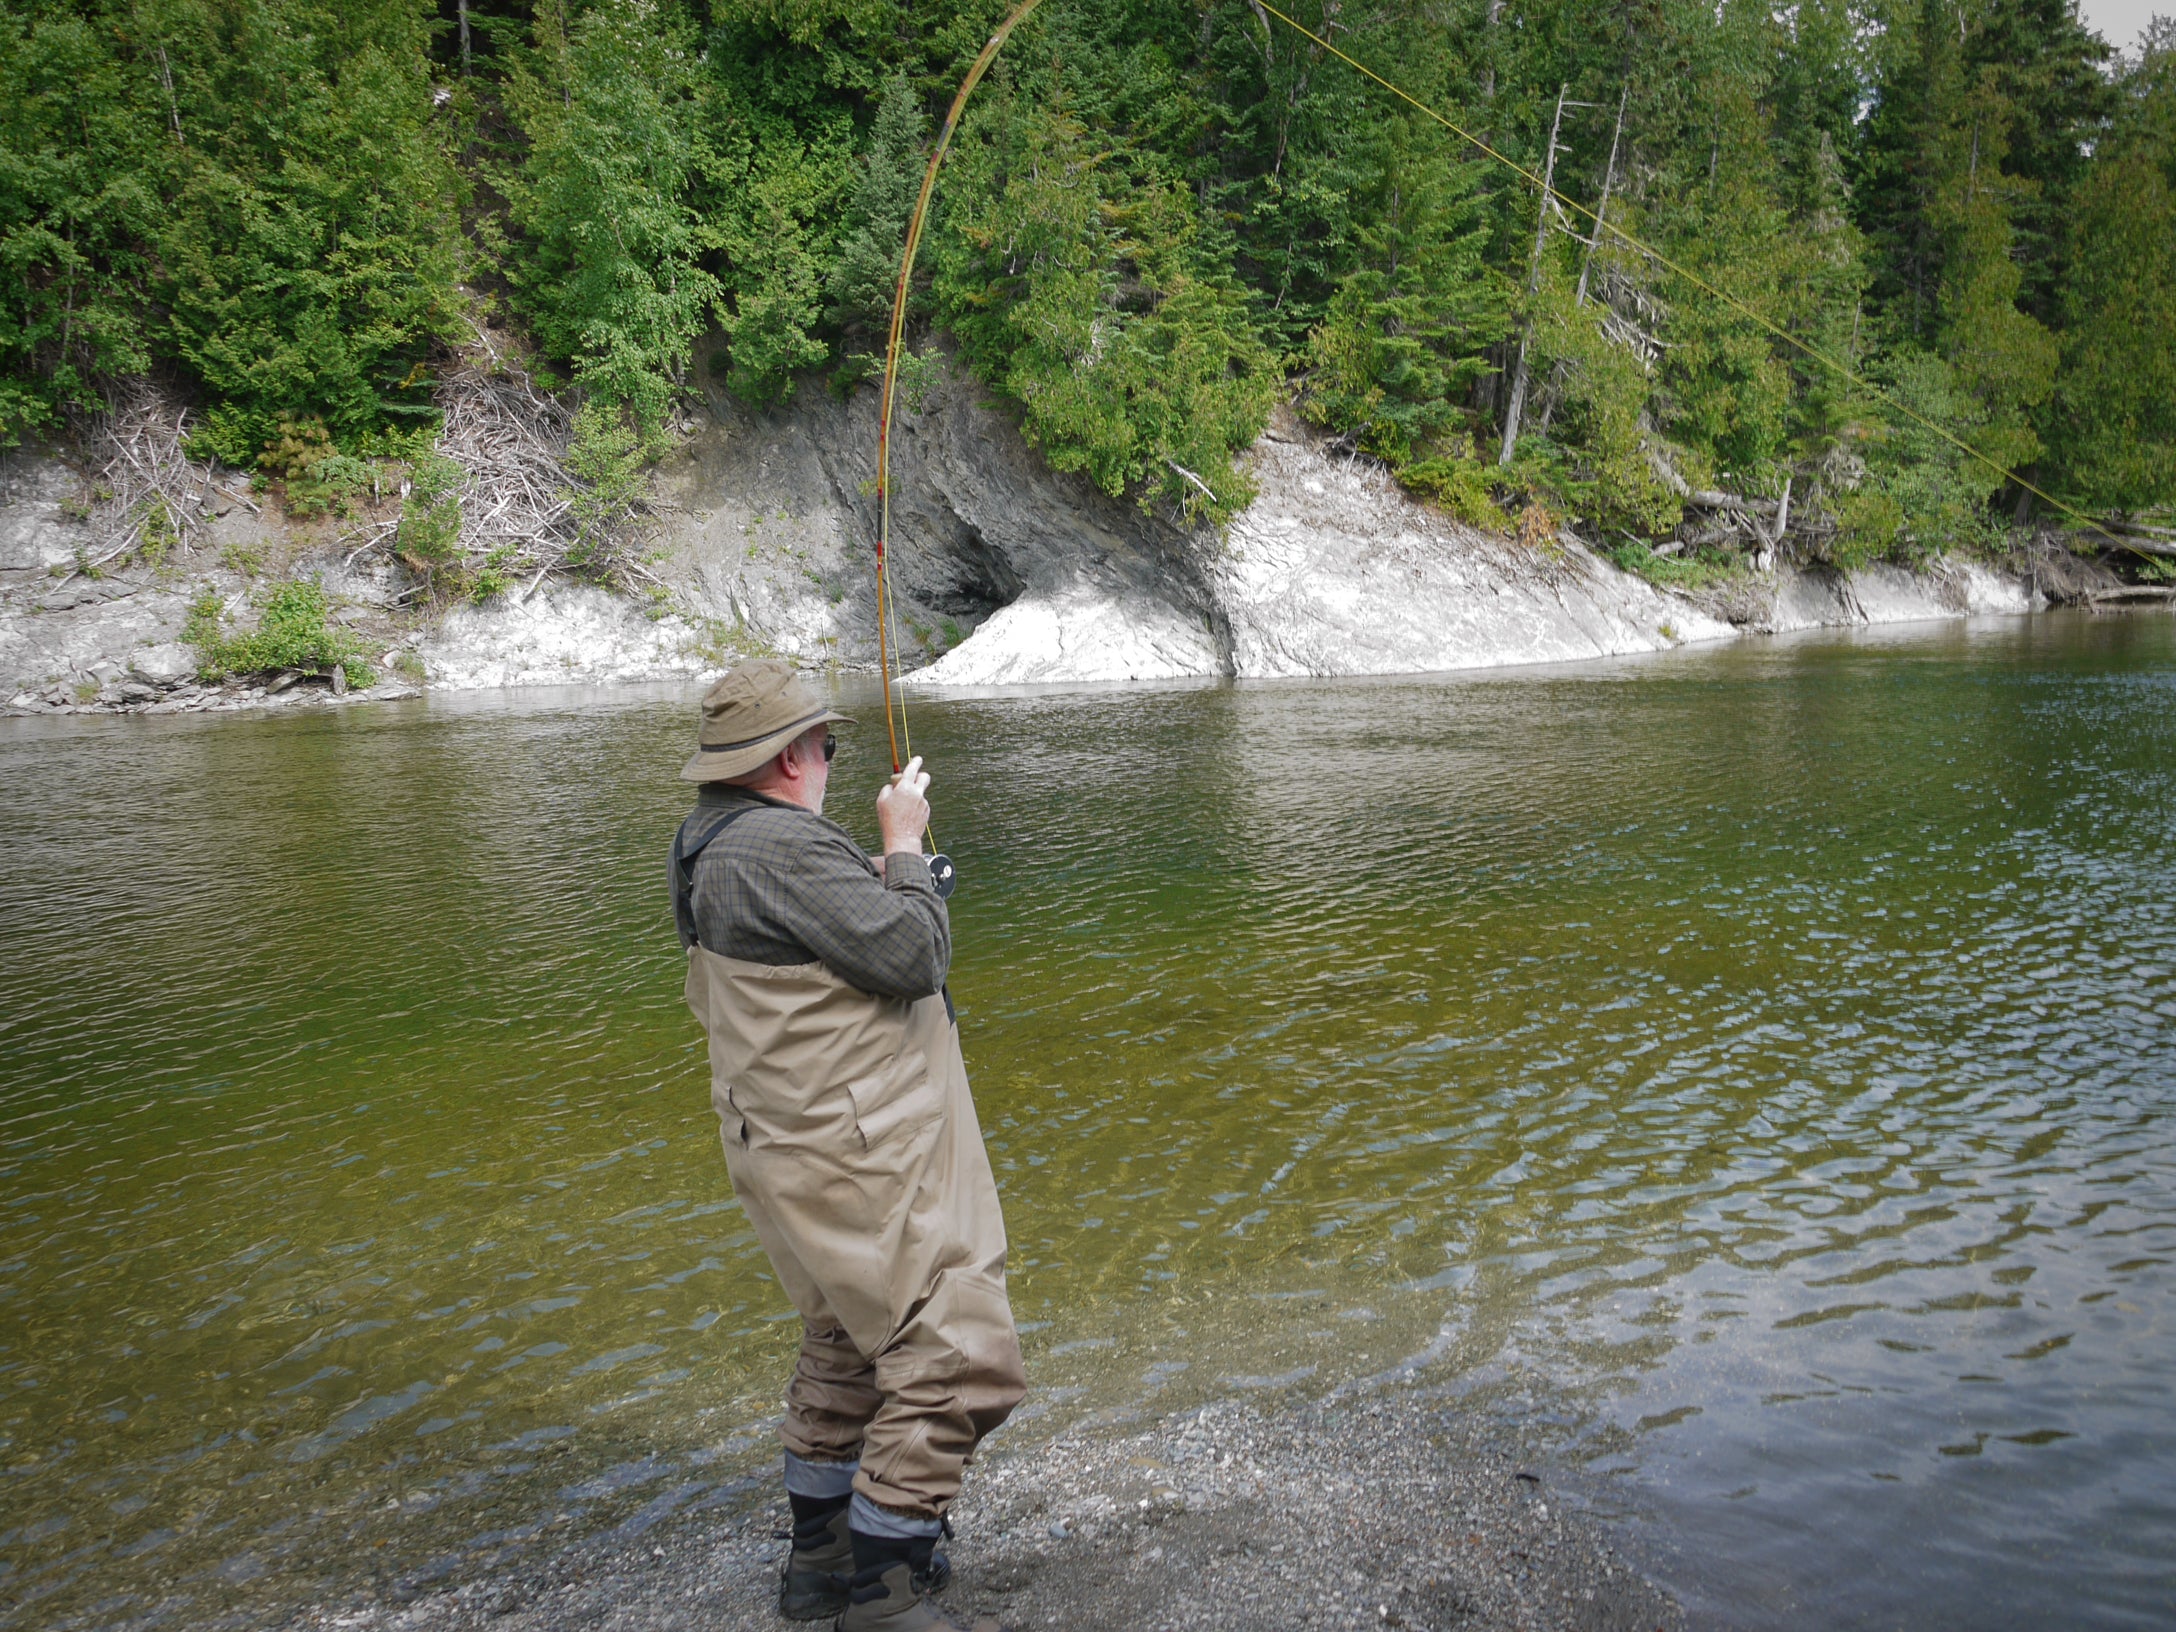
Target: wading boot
[813, 1585]
[892, 1578]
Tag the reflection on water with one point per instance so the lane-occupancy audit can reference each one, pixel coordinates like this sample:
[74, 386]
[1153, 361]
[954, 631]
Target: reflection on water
[1758, 1063]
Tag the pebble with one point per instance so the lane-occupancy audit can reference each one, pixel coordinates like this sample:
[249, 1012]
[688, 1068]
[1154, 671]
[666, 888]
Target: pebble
[1387, 1512]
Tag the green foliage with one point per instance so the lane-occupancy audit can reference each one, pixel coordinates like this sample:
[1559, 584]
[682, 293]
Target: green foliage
[1405, 336]
[258, 191]
[2003, 357]
[774, 237]
[1921, 494]
[309, 241]
[491, 580]
[1598, 470]
[1159, 215]
[291, 633]
[428, 536]
[1695, 569]
[2114, 418]
[607, 257]
[430, 514]
[784, 115]
[1089, 297]
[865, 276]
[156, 534]
[1725, 385]
[318, 476]
[328, 485]
[1461, 486]
[80, 170]
[608, 457]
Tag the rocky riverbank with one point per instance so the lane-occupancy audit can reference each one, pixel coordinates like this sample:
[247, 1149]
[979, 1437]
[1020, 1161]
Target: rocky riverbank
[1005, 573]
[1375, 1511]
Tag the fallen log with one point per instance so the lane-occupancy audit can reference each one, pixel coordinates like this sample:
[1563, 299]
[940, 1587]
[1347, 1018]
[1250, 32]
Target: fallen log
[1709, 499]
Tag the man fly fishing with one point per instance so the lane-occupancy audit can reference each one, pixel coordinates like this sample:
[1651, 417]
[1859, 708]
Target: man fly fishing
[818, 975]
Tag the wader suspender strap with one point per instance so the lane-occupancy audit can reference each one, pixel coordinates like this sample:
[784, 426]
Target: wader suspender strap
[683, 869]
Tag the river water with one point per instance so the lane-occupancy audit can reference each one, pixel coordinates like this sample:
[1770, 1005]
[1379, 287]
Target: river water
[1748, 1071]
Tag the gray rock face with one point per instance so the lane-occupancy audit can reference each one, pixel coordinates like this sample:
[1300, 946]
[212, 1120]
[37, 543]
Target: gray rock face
[1334, 570]
[1818, 598]
[773, 543]
[165, 663]
[37, 531]
[575, 634]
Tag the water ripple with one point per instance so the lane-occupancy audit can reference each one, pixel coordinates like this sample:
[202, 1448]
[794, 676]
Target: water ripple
[1756, 1063]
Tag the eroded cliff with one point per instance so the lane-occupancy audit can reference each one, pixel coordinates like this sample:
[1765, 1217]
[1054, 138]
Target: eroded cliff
[1004, 571]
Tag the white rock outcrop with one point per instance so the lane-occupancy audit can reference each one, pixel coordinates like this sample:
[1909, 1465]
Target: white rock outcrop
[575, 634]
[1078, 636]
[1334, 570]
[1888, 594]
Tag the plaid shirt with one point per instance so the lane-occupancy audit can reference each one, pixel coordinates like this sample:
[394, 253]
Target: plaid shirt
[781, 885]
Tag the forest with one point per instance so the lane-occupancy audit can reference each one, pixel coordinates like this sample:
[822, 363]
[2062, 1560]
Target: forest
[1159, 220]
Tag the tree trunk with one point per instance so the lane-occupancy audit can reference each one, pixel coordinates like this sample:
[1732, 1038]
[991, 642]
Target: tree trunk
[1517, 404]
[1601, 213]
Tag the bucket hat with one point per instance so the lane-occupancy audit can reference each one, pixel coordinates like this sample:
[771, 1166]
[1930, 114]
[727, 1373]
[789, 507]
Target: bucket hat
[751, 714]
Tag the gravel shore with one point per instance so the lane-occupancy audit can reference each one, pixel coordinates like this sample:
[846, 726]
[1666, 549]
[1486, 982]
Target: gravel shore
[1381, 1512]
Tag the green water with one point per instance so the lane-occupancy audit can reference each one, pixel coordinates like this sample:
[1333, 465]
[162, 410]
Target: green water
[1751, 1070]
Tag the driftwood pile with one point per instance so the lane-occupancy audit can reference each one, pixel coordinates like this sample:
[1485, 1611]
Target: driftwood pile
[143, 487]
[520, 502]
[518, 494]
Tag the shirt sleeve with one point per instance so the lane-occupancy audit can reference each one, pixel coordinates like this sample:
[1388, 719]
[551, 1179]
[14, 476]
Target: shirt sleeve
[891, 937]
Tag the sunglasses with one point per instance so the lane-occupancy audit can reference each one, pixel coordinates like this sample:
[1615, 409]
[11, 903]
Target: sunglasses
[831, 746]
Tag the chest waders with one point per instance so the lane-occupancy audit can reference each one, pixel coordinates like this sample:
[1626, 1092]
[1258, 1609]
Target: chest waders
[852, 1143]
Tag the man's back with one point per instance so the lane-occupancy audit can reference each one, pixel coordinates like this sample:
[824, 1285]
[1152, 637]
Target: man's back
[776, 884]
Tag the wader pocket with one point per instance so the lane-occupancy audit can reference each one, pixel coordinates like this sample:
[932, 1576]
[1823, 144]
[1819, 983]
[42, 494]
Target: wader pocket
[883, 1105]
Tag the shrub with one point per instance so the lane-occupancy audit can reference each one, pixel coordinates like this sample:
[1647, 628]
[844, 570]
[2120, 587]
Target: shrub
[491, 579]
[606, 257]
[428, 538]
[1695, 569]
[607, 456]
[1463, 487]
[157, 535]
[318, 475]
[291, 633]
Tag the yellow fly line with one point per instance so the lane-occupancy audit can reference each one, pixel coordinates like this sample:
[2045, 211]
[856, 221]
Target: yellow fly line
[1843, 370]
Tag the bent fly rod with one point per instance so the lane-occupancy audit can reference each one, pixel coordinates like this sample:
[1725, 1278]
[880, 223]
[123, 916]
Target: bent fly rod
[941, 870]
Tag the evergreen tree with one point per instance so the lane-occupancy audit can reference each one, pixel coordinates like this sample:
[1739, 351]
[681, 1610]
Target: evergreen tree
[81, 170]
[1161, 214]
[1408, 331]
[1917, 88]
[2114, 424]
[783, 88]
[310, 249]
[866, 273]
[2000, 354]
[607, 259]
[1088, 298]
[2049, 72]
